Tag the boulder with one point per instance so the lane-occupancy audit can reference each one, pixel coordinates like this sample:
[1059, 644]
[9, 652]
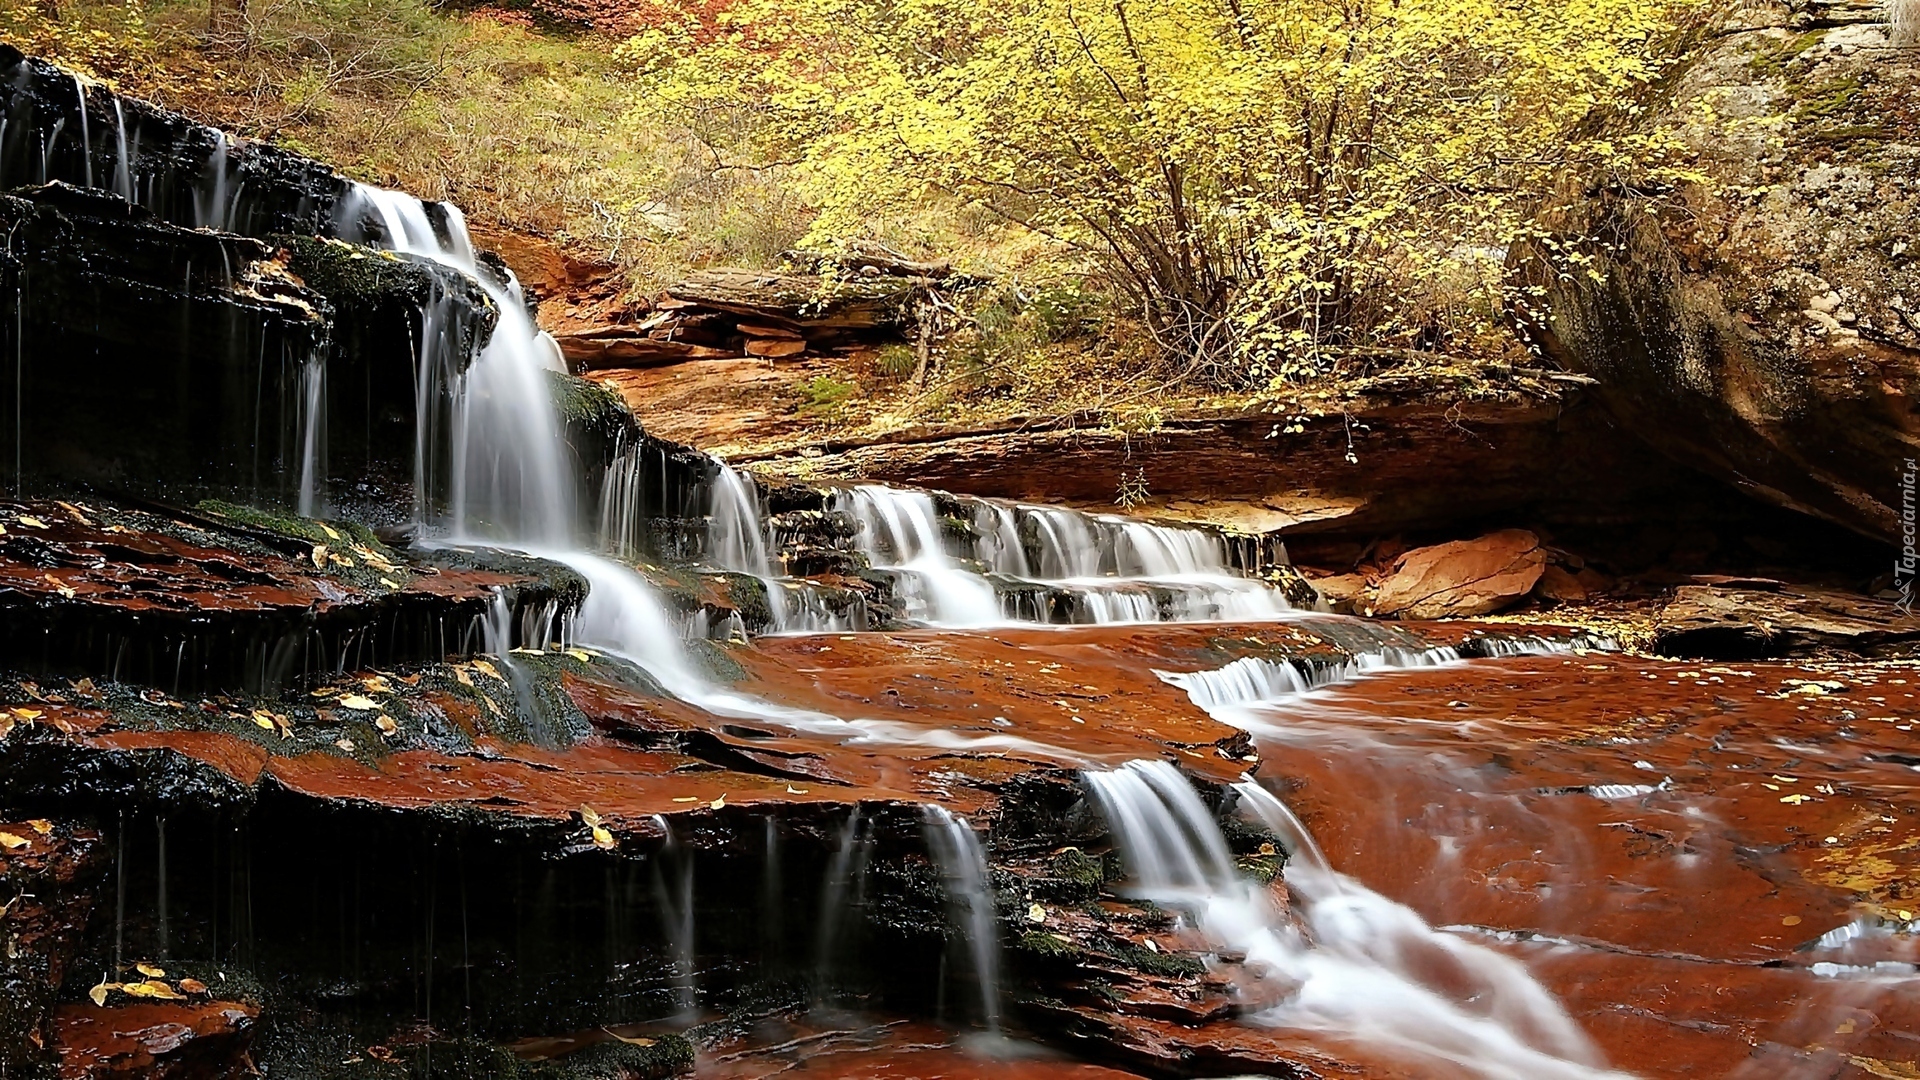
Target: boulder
[1464, 577]
[1754, 618]
[1759, 325]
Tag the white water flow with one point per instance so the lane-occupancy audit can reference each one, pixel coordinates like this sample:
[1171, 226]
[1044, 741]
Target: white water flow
[1345, 961]
[511, 479]
[313, 426]
[963, 871]
[1244, 692]
[122, 161]
[1082, 568]
[739, 539]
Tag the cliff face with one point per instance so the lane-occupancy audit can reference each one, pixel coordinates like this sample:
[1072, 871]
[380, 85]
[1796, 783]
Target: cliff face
[1765, 328]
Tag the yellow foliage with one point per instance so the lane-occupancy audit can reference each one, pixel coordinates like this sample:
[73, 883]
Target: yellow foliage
[1261, 179]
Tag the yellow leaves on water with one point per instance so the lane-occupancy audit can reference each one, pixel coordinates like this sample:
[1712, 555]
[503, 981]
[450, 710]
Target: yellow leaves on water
[359, 703]
[14, 841]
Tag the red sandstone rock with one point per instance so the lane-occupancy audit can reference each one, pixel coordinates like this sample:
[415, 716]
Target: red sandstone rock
[155, 1041]
[1465, 577]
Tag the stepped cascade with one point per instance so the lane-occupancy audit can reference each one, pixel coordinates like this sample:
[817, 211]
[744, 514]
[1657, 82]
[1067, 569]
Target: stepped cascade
[379, 699]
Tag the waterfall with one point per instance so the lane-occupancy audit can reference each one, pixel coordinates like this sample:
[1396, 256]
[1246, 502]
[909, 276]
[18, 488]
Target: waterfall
[1099, 569]
[123, 161]
[511, 478]
[739, 539]
[834, 889]
[963, 871]
[86, 137]
[673, 894]
[313, 428]
[1349, 961]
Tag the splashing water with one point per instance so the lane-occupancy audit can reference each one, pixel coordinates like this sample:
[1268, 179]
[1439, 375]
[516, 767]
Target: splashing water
[1354, 964]
[739, 539]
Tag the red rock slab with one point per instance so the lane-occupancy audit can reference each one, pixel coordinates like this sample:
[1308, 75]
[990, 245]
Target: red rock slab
[1089, 691]
[895, 1051]
[1464, 577]
[154, 1040]
[1661, 1017]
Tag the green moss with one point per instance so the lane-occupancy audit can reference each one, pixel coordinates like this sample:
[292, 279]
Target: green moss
[344, 272]
[1775, 59]
[293, 526]
[1072, 876]
[1149, 962]
[1261, 868]
[1047, 946]
[1828, 99]
[664, 1056]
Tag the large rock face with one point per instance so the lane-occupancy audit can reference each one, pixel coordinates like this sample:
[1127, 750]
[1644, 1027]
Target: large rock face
[1767, 330]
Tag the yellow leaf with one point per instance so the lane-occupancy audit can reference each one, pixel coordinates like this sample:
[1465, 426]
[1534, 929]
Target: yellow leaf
[99, 993]
[385, 724]
[192, 986]
[32, 522]
[461, 674]
[28, 714]
[331, 535]
[263, 718]
[581, 655]
[1267, 849]
[589, 815]
[60, 587]
[390, 583]
[603, 839]
[319, 556]
[41, 826]
[1036, 914]
[486, 668]
[689, 798]
[791, 790]
[1796, 800]
[528, 652]
[150, 971]
[357, 701]
[624, 1039]
[376, 684]
[719, 803]
[344, 744]
[14, 843]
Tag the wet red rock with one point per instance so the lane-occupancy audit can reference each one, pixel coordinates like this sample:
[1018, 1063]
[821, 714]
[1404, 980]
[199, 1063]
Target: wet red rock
[1670, 841]
[155, 1040]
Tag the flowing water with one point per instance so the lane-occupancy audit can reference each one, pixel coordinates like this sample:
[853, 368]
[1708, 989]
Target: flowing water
[1352, 963]
[963, 871]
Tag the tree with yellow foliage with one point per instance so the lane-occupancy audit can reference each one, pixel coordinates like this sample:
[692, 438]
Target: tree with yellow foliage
[1265, 182]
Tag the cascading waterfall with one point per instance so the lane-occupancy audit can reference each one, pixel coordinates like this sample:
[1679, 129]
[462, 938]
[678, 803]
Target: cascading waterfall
[1349, 962]
[963, 871]
[739, 540]
[1083, 568]
[510, 476]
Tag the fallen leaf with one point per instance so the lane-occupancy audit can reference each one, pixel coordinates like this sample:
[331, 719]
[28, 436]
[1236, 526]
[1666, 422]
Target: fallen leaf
[1846, 1027]
[689, 798]
[99, 993]
[603, 839]
[389, 583]
[581, 655]
[486, 668]
[150, 971]
[74, 512]
[1036, 914]
[61, 587]
[524, 651]
[376, 684]
[28, 714]
[591, 816]
[791, 790]
[461, 674]
[340, 560]
[319, 556]
[32, 522]
[1152, 945]
[386, 725]
[357, 701]
[331, 535]
[192, 986]
[12, 842]
[624, 1039]
[344, 744]
[1790, 920]
[718, 804]
[41, 826]
[1267, 849]
[263, 718]
[1796, 800]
